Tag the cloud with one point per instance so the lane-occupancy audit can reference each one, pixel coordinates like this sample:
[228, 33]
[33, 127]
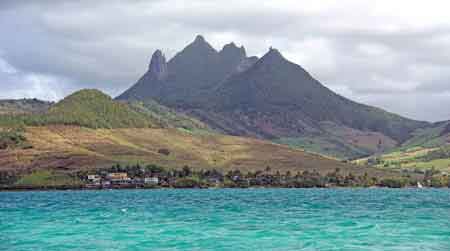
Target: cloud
[16, 84]
[388, 54]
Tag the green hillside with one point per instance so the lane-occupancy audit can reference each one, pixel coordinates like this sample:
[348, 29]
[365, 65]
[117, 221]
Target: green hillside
[87, 108]
[167, 117]
[430, 137]
[428, 149]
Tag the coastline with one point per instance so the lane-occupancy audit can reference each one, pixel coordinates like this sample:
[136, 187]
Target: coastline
[78, 188]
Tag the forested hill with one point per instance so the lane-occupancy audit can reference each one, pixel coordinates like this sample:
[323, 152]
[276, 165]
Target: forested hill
[88, 108]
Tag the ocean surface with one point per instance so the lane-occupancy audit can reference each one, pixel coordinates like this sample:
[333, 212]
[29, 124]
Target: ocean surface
[226, 219]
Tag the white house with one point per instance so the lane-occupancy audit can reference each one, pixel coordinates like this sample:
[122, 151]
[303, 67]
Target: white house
[94, 178]
[151, 180]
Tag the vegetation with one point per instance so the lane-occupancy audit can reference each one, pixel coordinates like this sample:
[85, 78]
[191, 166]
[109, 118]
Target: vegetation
[45, 178]
[168, 117]
[188, 182]
[327, 145]
[430, 137]
[187, 177]
[93, 109]
[427, 150]
[12, 138]
[23, 106]
[79, 148]
[87, 108]
[418, 159]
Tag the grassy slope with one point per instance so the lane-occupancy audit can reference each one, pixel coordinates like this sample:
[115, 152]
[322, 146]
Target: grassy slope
[423, 151]
[327, 145]
[167, 117]
[413, 158]
[69, 148]
[44, 178]
[88, 108]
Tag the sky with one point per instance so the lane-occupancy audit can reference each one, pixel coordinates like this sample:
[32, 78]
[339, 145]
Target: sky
[390, 54]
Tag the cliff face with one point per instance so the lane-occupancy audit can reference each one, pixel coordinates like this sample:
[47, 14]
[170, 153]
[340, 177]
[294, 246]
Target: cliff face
[158, 66]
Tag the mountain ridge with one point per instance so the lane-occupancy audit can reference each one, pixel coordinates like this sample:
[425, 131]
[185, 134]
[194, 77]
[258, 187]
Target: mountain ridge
[269, 98]
[196, 69]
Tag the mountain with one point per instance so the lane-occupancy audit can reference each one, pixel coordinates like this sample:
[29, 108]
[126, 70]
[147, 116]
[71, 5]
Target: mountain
[269, 98]
[189, 75]
[23, 106]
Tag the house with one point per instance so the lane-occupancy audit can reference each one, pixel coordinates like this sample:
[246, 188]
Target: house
[118, 178]
[94, 178]
[151, 180]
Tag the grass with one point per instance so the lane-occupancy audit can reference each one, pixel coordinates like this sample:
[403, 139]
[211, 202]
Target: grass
[75, 148]
[427, 138]
[87, 108]
[416, 158]
[168, 117]
[328, 146]
[342, 142]
[45, 178]
[427, 149]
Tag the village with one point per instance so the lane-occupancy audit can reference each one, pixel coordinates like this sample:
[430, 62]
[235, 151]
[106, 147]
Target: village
[152, 176]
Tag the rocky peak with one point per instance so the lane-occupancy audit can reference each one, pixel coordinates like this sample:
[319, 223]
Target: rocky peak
[201, 43]
[200, 39]
[274, 54]
[158, 65]
[196, 50]
[271, 58]
[232, 50]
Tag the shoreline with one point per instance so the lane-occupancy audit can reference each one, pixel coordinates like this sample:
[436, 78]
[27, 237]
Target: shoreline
[15, 189]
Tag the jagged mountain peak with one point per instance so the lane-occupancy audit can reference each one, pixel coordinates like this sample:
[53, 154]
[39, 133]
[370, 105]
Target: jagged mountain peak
[274, 61]
[199, 45]
[269, 97]
[199, 38]
[232, 49]
[158, 65]
[273, 54]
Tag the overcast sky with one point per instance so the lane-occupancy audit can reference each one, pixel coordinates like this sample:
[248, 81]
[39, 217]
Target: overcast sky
[391, 54]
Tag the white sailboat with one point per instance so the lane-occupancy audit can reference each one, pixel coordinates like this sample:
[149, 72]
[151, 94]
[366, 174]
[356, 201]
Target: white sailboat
[419, 185]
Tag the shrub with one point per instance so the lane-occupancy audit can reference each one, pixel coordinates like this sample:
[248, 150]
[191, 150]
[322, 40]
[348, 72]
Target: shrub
[164, 151]
[11, 138]
[394, 182]
[188, 182]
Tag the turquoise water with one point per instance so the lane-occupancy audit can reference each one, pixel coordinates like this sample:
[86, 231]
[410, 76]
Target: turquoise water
[260, 219]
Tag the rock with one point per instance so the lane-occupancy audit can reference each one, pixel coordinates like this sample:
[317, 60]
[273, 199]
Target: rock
[158, 66]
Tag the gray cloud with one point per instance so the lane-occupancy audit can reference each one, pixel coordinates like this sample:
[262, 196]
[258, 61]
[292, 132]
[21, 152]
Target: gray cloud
[371, 53]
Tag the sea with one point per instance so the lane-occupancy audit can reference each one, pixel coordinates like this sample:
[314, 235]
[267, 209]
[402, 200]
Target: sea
[226, 219]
